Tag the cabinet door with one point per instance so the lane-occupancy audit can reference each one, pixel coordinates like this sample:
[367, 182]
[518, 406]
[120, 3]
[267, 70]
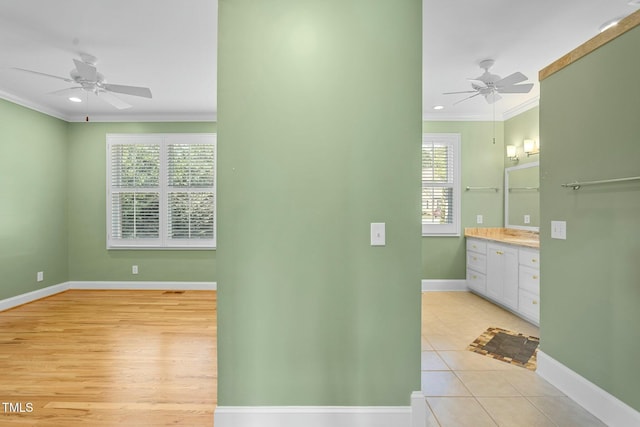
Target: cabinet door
[495, 265]
[502, 274]
[510, 275]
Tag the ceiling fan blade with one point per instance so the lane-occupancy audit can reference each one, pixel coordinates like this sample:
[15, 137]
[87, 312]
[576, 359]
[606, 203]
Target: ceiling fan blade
[67, 91]
[478, 83]
[464, 99]
[524, 88]
[129, 90]
[44, 74]
[86, 71]
[512, 79]
[113, 100]
[464, 91]
[492, 97]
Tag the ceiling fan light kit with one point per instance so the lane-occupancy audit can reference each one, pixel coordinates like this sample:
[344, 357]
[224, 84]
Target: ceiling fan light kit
[88, 80]
[491, 85]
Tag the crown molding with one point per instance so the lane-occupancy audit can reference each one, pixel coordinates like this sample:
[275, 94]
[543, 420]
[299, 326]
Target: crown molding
[105, 118]
[519, 109]
[32, 105]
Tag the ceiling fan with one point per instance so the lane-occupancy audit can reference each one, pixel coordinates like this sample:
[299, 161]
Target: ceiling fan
[88, 79]
[491, 86]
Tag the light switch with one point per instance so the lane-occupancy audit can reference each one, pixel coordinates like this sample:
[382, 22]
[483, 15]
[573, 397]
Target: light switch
[377, 234]
[559, 230]
[479, 219]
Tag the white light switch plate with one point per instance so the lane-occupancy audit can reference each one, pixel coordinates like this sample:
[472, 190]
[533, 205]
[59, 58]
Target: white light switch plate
[377, 234]
[479, 219]
[559, 230]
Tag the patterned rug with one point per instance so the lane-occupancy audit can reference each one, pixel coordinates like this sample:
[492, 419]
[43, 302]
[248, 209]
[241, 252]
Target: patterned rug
[507, 346]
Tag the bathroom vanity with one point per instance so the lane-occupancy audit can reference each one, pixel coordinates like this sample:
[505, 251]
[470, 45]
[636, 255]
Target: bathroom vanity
[503, 266]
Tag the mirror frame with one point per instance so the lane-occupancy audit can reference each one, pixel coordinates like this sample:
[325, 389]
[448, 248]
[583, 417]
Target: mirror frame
[506, 195]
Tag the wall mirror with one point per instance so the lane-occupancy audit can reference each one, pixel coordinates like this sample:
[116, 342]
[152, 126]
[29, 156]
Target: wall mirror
[522, 197]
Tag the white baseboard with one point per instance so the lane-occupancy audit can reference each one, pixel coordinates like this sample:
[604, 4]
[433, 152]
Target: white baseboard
[21, 299]
[444, 285]
[608, 408]
[312, 416]
[144, 286]
[28, 297]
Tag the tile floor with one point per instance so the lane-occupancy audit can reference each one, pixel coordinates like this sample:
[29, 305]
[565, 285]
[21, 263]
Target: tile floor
[463, 388]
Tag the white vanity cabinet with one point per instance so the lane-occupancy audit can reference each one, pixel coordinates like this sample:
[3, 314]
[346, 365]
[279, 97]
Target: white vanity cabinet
[477, 265]
[529, 284]
[505, 274]
[502, 274]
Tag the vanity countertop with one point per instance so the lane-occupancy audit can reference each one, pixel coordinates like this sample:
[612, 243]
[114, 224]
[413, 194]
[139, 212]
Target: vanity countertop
[512, 236]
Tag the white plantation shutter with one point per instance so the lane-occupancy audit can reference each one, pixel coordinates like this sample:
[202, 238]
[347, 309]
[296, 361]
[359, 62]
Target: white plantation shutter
[191, 191]
[161, 191]
[441, 184]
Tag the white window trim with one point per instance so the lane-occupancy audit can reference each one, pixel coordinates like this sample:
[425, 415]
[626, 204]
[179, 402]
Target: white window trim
[162, 243]
[452, 229]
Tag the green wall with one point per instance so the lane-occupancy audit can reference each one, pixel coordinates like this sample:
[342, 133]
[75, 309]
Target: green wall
[482, 166]
[89, 260]
[590, 289]
[33, 200]
[319, 125]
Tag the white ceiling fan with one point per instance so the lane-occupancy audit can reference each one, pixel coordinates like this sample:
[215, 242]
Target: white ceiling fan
[89, 80]
[491, 85]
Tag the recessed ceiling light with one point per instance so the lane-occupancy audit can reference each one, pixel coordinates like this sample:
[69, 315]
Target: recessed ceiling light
[438, 107]
[75, 99]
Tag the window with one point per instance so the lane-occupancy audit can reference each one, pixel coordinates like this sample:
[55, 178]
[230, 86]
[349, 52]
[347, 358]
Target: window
[161, 191]
[440, 184]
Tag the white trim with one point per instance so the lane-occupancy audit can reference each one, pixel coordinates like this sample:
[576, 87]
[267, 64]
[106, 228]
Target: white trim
[519, 109]
[139, 118]
[418, 409]
[312, 416]
[28, 297]
[111, 118]
[145, 286]
[608, 408]
[21, 299]
[444, 285]
[32, 106]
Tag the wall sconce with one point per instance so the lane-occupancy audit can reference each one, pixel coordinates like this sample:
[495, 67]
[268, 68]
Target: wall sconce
[531, 147]
[512, 153]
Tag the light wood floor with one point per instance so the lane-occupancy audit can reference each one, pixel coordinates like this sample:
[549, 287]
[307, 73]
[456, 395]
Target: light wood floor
[110, 358]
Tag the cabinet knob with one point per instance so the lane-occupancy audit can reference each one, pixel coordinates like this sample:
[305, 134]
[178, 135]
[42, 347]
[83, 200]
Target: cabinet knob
[535, 277]
[474, 276]
[534, 302]
[534, 260]
[474, 246]
[499, 252]
[475, 259]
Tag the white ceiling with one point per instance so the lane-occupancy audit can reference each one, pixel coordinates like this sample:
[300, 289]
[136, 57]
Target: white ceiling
[170, 47]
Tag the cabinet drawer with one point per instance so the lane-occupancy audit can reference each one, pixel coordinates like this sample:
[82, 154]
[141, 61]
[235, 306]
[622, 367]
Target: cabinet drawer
[477, 246]
[529, 305]
[477, 262]
[529, 279]
[476, 281]
[529, 257]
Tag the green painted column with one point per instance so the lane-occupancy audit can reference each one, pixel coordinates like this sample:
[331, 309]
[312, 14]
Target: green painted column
[319, 124]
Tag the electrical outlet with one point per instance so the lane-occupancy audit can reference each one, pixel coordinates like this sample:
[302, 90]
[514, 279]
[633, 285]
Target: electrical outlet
[40, 276]
[134, 269]
[479, 219]
[527, 219]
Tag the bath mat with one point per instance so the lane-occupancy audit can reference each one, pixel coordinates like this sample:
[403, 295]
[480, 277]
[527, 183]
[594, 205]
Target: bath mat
[507, 346]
